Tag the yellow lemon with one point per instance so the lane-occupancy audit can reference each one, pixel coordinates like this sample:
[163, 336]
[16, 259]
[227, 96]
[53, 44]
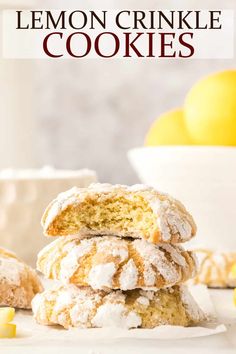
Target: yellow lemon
[210, 109]
[168, 129]
[232, 272]
[234, 297]
[6, 314]
[7, 330]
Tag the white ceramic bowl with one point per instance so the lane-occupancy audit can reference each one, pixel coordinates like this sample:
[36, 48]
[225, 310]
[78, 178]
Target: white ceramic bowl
[23, 197]
[203, 178]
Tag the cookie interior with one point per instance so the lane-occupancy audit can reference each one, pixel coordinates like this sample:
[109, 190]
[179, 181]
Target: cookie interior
[131, 214]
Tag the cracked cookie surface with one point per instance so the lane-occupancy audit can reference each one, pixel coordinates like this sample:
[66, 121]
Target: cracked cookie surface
[71, 306]
[18, 282]
[109, 262]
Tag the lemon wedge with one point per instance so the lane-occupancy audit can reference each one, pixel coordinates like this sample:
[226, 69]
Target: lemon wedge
[7, 330]
[7, 314]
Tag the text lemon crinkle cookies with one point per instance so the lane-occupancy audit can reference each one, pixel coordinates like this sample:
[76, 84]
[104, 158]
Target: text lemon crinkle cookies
[18, 282]
[118, 258]
[103, 209]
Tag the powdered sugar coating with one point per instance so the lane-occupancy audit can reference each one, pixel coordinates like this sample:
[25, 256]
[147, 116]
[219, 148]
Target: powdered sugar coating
[71, 306]
[101, 275]
[115, 315]
[157, 258]
[143, 300]
[149, 274]
[63, 200]
[173, 222]
[114, 263]
[70, 262]
[114, 247]
[175, 253]
[18, 282]
[129, 276]
[10, 270]
[190, 304]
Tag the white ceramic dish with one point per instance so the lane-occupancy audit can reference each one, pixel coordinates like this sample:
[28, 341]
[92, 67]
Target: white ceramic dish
[24, 194]
[203, 178]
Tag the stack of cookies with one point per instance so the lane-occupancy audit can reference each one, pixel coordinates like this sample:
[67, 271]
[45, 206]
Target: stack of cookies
[117, 259]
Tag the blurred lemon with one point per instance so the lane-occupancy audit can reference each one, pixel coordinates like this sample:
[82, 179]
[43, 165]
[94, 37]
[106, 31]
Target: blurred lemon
[168, 129]
[234, 297]
[6, 314]
[233, 270]
[7, 330]
[210, 109]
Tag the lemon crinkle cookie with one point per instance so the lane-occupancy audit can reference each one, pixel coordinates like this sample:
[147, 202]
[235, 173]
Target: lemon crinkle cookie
[114, 263]
[71, 306]
[216, 269]
[18, 282]
[138, 211]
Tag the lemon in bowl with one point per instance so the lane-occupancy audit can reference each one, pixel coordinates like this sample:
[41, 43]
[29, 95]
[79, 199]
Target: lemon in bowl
[169, 129]
[210, 110]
